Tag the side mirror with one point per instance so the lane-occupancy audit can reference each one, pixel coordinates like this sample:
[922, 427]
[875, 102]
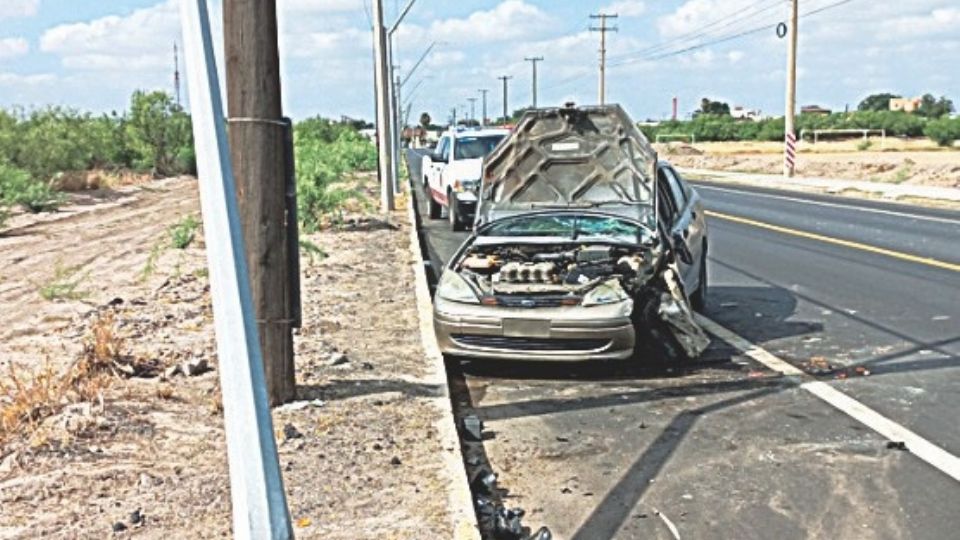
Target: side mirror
[683, 251]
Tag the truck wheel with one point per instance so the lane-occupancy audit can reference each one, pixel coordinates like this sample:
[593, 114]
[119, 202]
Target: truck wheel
[435, 209]
[453, 214]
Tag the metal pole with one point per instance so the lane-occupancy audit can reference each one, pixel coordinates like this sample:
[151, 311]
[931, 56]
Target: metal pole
[534, 61]
[257, 137]
[505, 78]
[473, 107]
[259, 504]
[382, 82]
[483, 92]
[790, 129]
[391, 113]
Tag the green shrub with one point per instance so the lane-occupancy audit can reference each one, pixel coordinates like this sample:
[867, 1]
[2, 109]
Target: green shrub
[325, 152]
[18, 188]
[183, 232]
[943, 131]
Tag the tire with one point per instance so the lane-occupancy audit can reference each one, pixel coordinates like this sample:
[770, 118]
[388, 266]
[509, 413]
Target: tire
[436, 211]
[698, 300]
[454, 216]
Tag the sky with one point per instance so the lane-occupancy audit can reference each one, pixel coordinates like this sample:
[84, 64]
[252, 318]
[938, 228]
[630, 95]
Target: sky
[93, 54]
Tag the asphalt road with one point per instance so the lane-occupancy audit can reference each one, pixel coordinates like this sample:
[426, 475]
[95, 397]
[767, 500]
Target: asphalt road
[725, 448]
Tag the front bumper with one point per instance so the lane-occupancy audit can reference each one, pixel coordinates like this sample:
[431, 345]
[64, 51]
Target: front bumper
[567, 333]
[466, 202]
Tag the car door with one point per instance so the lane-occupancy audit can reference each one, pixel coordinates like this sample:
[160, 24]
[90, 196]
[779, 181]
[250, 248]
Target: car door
[686, 223]
[437, 165]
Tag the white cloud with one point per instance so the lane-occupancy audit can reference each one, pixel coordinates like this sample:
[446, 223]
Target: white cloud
[13, 47]
[626, 8]
[694, 15]
[935, 22]
[319, 6]
[511, 19]
[140, 40]
[18, 8]
[735, 56]
[17, 80]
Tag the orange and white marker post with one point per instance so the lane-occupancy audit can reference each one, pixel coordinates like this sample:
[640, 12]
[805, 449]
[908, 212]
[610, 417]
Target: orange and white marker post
[790, 148]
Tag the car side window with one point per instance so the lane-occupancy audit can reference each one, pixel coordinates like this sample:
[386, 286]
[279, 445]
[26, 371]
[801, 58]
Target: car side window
[679, 194]
[668, 206]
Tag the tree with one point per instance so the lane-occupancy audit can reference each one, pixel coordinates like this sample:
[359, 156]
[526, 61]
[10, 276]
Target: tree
[943, 131]
[934, 108]
[159, 133]
[707, 106]
[425, 120]
[877, 102]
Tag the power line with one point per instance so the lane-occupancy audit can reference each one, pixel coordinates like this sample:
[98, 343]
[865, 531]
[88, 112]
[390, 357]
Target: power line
[727, 38]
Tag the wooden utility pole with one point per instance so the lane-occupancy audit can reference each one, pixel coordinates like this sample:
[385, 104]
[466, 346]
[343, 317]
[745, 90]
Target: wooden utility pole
[790, 130]
[603, 29]
[257, 133]
[534, 61]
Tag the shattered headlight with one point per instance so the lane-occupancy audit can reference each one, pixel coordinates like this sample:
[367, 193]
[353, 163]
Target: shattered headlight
[609, 292]
[454, 288]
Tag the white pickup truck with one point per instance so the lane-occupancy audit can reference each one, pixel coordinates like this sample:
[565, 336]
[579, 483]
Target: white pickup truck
[451, 174]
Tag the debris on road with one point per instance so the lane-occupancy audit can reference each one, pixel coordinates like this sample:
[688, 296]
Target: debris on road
[897, 445]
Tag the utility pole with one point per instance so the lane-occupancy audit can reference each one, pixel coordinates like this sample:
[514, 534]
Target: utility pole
[384, 128]
[398, 130]
[534, 61]
[453, 117]
[603, 29]
[790, 137]
[473, 107]
[176, 73]
[505, 78]
[483, 92]
[258, 152]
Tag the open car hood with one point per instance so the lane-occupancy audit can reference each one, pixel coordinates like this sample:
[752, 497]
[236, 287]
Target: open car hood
[584, 157]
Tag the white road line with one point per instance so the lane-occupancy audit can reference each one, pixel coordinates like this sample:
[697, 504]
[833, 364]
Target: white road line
[832, 205]
[939, 458]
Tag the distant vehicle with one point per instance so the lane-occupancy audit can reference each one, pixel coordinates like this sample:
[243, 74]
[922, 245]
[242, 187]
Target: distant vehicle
[586, 247]
[451, 173]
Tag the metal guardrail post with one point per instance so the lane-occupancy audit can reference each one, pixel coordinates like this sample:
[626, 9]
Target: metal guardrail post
[256, 486]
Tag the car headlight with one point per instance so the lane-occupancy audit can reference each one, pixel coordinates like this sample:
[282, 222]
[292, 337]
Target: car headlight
[609, 292]
[454, 288]
[465, 185]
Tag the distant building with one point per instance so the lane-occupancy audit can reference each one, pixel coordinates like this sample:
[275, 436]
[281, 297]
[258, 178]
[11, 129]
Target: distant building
[905, 104]
[815, 109]
[741, 113]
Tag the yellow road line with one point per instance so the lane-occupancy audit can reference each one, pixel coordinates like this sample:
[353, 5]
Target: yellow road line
[838, 242]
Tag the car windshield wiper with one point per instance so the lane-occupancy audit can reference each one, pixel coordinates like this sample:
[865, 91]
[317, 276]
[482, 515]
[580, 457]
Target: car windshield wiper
[589, 204]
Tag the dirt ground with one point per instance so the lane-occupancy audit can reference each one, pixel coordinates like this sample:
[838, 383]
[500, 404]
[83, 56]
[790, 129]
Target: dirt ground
[146, 458]
[907, 162]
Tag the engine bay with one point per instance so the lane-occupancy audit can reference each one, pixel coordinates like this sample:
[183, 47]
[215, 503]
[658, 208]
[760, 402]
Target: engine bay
[561, 269]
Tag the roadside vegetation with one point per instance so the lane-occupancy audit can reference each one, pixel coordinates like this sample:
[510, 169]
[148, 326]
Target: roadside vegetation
[41, 149]
[713, 122]
[327, 153]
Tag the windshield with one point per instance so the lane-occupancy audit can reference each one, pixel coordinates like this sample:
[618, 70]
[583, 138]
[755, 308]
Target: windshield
[569, 226]
[476, 147]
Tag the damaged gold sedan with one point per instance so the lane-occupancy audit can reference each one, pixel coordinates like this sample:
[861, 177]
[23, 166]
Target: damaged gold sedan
[585, 247]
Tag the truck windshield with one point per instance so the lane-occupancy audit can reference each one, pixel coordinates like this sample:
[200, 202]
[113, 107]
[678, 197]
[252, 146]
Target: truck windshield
[475, 147]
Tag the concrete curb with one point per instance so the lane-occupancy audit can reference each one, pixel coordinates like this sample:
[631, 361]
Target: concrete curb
[827, 185]
[459, 499]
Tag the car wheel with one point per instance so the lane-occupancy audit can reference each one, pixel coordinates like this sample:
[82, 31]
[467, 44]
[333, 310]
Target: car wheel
[698, 300]
[453, 215]
[436, 211]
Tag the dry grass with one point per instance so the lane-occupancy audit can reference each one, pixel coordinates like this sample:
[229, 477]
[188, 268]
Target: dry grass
[27, 399]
